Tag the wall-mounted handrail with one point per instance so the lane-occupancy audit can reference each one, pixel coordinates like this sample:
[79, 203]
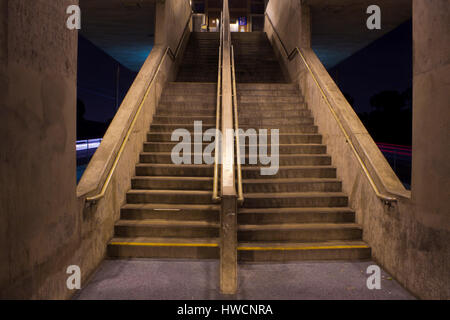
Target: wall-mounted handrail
[215, 196]
[173, 55]
[236, 128]
[290, 56]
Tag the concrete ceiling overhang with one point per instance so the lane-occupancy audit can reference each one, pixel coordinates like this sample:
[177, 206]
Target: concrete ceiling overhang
[339, 26]
[125, 28]
[122, 28]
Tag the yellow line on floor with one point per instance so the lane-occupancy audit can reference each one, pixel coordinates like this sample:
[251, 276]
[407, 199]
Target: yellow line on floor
[214, 245]
[164, 244]
[299, 248]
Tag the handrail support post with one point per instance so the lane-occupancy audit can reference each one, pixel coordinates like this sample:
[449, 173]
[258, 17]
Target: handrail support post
[228, 245]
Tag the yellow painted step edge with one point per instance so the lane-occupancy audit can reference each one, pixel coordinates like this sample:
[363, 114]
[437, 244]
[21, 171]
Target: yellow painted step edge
[239, 248]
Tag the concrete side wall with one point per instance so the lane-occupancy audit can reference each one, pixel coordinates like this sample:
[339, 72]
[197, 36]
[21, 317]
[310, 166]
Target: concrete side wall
[38, 217]
[45, 223]
[415, 253]
[293, 22]
[431, 112]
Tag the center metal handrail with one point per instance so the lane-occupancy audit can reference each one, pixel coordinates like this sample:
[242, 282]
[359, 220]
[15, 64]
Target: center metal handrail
[173, 56]
[215, 196]
[236, 128]
[290, 56]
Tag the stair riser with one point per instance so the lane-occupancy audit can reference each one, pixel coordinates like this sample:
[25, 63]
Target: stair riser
[274, 113]
[165, 252]
[296, 160]
[171, 127]
[257, 121]
[184, 119]
[257, 99]
[172, 232]
[293, 173]
[292, 187]
[211, 112]
[197, 90]
[304, 235]
[189, 98]
[165, 158]
[161, 137]
[312, 202]
[268, 93]
[265, 86]
[168, 147]
[309, 217]
[301, 255]
[264, 108]
[175, 171]
[294, 149]
[291, 139]
[171, 184]
[167, 105]
[182, 215]
[168, 198]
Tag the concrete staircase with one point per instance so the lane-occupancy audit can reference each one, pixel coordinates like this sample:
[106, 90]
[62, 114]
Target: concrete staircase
[200, 60]
[169, 212]
[301, 212]
[255, 59]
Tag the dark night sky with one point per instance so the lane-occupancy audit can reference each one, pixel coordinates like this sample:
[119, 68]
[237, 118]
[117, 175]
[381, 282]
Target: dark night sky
[386, 64]
[96, 83]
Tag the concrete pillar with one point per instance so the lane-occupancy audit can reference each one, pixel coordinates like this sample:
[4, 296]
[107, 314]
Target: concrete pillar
[431, 112]
[38, 208]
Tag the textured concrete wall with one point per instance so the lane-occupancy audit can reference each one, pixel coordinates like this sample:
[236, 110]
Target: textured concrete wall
[38, 216]
[171, 17]
[293, 21]
[409, 239]
[45, 223]
[431, 112]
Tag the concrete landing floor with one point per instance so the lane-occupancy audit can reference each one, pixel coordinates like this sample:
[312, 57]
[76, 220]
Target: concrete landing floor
[198, 280]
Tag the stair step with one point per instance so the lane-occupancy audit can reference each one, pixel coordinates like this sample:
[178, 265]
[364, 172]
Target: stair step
[291, 185]
[208, 112]
[254, 172]
[169, 196]
[191, 170]
[162, 248]
[297, 251]
[166, 228]
[273, 113]
[283, 138]
[295, 215]
[170, 127]
[169, 146]
[293, 148]
[241, 87]
[262, 99]
[299, 232]
[206, 98]
[181, 212]
[280, 121]
[285, 129]
[295, 199]
[184, 119]
[172, 183]
[291, 160]
[160, 137]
